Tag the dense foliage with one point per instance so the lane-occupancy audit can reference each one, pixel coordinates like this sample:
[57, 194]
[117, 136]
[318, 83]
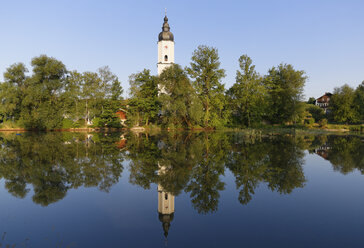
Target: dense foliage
[181, 106]
[248, 95]
[143, 103]
[53, 97]
[343, 106]
[206, 72]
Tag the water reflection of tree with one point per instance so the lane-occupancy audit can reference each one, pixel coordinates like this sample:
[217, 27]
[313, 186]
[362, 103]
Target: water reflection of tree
[192, 162]
[205, 183]
[53, 163]
[346, 153]
[249, 164]
[277, 162]
[195, 163]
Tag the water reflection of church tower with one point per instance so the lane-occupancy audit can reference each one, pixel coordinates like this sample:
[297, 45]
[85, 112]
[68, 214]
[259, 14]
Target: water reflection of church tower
[165, 205]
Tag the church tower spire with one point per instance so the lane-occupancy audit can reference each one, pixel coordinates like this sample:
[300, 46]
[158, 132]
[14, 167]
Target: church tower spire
[165, 47]
[165, 204]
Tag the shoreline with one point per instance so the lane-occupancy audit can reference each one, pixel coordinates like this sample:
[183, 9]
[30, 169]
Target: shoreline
[145, 129]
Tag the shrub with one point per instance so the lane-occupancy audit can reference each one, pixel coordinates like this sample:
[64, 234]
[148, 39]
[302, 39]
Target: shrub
[317, 113]
[67, 124]
[97, 122]
[323, 123]
[357, 128]
[309, 121]
[79, 123]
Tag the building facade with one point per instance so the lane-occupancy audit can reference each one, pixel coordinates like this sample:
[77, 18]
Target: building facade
[324, 102]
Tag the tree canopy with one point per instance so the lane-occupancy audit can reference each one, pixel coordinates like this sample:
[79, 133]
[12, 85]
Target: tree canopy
[342, 105]
[285, 86]
[181, 106]
[206, 74]
[248, 95]
[52, 95]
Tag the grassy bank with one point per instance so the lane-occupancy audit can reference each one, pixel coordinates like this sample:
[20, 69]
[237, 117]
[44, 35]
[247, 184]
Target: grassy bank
[337, 128]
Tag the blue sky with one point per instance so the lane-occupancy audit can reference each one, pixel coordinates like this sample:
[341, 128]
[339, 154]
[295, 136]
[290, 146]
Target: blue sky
[325, 38]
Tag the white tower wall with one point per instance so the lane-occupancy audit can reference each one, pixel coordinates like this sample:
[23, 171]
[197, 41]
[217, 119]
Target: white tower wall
[165, 199]
[165, 55]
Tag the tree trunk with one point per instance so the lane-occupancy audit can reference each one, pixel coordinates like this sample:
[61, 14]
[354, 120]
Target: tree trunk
[87, 114]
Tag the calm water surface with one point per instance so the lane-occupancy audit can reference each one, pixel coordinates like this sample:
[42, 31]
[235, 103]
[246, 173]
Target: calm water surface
[181, 190]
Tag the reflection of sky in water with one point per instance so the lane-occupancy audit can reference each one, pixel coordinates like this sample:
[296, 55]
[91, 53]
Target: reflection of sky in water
[327, 212]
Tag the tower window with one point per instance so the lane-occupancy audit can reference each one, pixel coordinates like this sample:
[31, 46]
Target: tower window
[166, 58]
[166, 196]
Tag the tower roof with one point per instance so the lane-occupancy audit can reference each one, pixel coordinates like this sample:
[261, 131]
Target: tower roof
[166, 220]
[166, 34]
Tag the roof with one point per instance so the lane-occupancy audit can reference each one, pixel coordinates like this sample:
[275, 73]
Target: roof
[166, 34]
[325, 98]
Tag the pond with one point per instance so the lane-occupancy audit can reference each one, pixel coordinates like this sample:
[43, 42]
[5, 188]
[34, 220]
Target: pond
[216, 189]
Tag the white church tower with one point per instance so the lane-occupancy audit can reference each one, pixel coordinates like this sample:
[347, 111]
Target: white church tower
[165, 204]
[165, 47]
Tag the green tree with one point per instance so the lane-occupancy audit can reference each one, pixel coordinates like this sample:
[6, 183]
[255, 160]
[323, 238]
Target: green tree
[285, 86]
[207, 75]
[110, 84]
[317, 113]
[92, 94]
[342, 105]
[116, 90]
[12, 91]
[73, 106]
[143, 103]
[248, 94]
[359, 100]
[108, 117]
[111, 101]
[42, 105]
[180, 104]
[311, 100]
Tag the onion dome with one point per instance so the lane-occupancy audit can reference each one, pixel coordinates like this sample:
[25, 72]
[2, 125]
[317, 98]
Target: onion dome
[166, 33]
[166, 220]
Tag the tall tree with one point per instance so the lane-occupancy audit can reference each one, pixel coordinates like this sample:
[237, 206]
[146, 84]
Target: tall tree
[207, 74]
[92, 93]
[180, 104]
[111, 101]
[247, 94]
[285, 87]
[342, 105]
[144, 104]
[42, 106]
[12, 91]
[72, 97]
[110, 83]
[359, 100]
